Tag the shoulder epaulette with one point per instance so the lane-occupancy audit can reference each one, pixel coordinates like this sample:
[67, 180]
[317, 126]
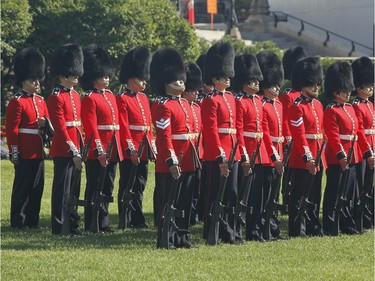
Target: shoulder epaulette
[264, 101]
[239, 96]
[120, 93]
[56, 91]
[199, 99]
[16, 96]
[210, 95]
[356, 101]
[298, 100]
[287, 91]
[331, 105]
[162, 100]
[88, 93]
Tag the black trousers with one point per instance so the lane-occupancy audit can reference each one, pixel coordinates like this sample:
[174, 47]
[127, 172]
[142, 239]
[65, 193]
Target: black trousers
[306, 225]
[93, 168]
[184, 195]
[27, 193]
[135, 217]
[232, 232]
[62, 187]
[334, 173]
[196, 202]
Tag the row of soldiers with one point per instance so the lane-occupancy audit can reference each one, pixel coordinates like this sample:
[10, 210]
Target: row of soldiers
[211, 146]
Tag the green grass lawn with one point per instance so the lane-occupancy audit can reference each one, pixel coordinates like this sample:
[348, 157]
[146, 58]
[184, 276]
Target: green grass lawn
[132, 255]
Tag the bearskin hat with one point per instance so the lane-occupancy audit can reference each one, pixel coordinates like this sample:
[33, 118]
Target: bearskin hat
[363, 72]
[193, 77]
[219, 62]
[201, 62]
[67, 61]
[272, 69]
[29, 63]
[135, 64]
[166, 66]
[306, 73]
[338, 77]
[246, 68]
[291, 56]
[96, 64]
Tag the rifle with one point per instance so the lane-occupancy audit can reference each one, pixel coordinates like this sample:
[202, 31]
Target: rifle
[341, 200]
[127, 197]
[73, 201]
[218, 209]
[304, 203]
[241, 204]
[272, 205]
[170, 213]
[98, 197]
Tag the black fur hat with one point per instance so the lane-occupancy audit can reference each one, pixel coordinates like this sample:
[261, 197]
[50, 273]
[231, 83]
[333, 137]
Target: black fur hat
[67, 61]
[219, 62]
[291, 56]
[135, 64]
[363, 72]
[338, 77]
[246, 68]
[193, 77]
[97, 64]
[29, 63]
[306, 73]
[166, 66]
[272, 69]
[201, 62]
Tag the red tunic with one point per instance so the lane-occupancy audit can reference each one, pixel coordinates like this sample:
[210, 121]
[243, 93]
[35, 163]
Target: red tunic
[272, 128]
[100, 119]
[22, 114]
[364, 110]
[287, 98]
[64, 106]
[135, 120]
[306, 126]
[197, 127]
[173, 121]
[340, 119]
[249, 125]
[219, 125]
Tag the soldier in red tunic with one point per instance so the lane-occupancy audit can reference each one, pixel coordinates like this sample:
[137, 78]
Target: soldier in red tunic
[135, 127]
[291, 56]
[26, 118]
[175, 138]
[250, 132]
[207, 88]
[100, 120]
[306, 126]
[363, 74]
[273, 138]
[219, 135]
[64, 106]
[341, 127]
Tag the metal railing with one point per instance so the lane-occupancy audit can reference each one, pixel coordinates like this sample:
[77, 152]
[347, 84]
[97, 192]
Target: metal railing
[283, 17]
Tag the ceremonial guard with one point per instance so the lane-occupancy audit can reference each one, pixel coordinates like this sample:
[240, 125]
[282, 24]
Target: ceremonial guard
[306, 127]
[101, 121]
[291, 56]
[219, 135]
[135, 130]
[26, 123]
[64, 105]
[250, 133]
[341, 127]
[363, 74]
[175, 138]
[273, 78]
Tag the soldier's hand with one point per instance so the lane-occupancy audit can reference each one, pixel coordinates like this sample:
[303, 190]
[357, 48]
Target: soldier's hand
[224, 170]
[344, 163]
[311, 167]
[77, 160]
[279, 167]
[41, 122]
[371, 162]
[175, 171]
[102, 158]
[134, 158]
[15, 162]
[246, 168]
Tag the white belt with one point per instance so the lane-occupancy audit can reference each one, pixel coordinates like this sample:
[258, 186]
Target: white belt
[349, 137]
[314, 136]
[277, 139]
[139, 128]
[29, 131]
[184, 137]
[229, 131]
[73, 123]
[254, 135]
[108, 127]
[370, 132]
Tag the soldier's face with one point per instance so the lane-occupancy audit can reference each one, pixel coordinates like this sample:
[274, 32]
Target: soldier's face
[222, 83]
[31, 86]
[69, 81]
[367, 90]
[190, 95]
[272, 92]
[137, 85]
[311, 92]
[102, 82]
[176, 87]
[252, 87]
[342, 96]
